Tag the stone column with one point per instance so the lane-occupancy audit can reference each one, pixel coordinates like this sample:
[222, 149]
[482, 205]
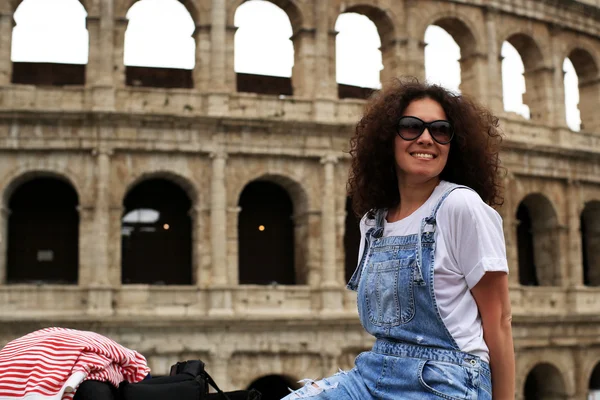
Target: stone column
[219, 367]
[4, 215]
[203, 49]
[509, 226]
[303, 71]
[589, 98]
[494, 65]
[100, 291]
[99, 71]
[230, 74]
[330, 286]
[539, 93]
[474, 75]
[573, 258]
[6, 29]
[120, 26]
[220, 296]
[233, 214]
[115, 265]
[218, 100]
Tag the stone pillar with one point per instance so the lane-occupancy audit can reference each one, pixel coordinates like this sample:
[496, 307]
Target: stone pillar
[330, 286]
[4, 216]
[230, 74]
[219, 368]
[120, 26]
[494, 65]
[86, 246]
[539, 93]
[233, 214]
[558, 82]
[218, 45]
[220, 295]
[303, 72]
[509, 226]
[99, 71]
[6, 29]
[474, 76]
[589, 98]
[100, 291]
[115, 256]
[203, 49]
[573, 258]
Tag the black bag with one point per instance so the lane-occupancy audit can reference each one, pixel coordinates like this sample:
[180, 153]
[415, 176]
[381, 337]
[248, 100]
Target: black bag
[187, 381]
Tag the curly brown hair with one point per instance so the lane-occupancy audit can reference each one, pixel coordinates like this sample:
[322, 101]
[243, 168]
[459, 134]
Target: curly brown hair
[473, 159]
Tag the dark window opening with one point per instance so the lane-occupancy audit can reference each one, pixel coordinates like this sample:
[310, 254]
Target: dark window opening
[156, 235]
[544, 382]
[354, 92]
[351, 240]
[266, 235]
[169, 78]
[585, 257]
[48, 74]
[273, 387]
[263, 84]
[527, 271]
[595, 379]
[43, 233]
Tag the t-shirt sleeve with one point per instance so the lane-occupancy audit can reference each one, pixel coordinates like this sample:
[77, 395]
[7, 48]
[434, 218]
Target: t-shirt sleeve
[474, 235]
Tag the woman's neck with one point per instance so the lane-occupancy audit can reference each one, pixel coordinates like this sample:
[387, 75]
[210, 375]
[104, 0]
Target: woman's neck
[412, 196]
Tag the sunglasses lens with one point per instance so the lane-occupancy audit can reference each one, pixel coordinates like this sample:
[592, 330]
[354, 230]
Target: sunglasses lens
[441, 131]
[410, 128]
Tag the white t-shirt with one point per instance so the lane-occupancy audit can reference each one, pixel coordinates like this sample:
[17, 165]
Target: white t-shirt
[469, 242]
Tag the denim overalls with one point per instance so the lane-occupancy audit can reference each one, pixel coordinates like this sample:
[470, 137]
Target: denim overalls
[414, 356]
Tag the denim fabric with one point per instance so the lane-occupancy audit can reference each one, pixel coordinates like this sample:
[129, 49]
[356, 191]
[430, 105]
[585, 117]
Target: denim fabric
[414, 357]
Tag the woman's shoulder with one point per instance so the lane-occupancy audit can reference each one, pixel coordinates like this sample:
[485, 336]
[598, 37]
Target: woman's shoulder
[464, 201]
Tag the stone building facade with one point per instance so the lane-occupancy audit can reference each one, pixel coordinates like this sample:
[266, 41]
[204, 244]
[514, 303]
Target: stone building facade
[106, 143]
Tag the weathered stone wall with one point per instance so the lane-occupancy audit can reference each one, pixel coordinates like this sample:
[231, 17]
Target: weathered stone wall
[104, 137]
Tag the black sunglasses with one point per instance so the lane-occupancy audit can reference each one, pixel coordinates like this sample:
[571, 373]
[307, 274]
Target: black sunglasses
[410, 128]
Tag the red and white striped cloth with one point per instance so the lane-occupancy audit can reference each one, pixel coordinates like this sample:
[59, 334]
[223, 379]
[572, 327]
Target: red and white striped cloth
[49, 364]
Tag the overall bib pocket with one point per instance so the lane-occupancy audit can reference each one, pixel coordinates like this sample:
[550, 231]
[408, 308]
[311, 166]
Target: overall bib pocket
[389, 295]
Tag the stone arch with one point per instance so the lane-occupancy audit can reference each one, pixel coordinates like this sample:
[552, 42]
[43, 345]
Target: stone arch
[380, 17]
[35, 64]
[290, 7]
[544, 381]
[30, 171]
[538, 241]
[87, 4]
[123, 6]
[294, 232]
[295, 189]
[465, 34]
[538, 75]
[156, 232]
[586, 67]
[39, 216]
[184, 182]
[590, 238]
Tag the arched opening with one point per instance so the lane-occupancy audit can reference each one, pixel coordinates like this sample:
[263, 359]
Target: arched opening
[451, 57]
[156, 234]
[442, 54]
[527, 270]
[544, 382]
[358, 56]
[534, 81]
[594, 385]
[159, 49]
[264, 53]
[266, 235]
[513, 81]
[538, 242]
[351, 240]
[572, 113]
[50, 43]
[584, 87]
[43, 233]
[590, 243]
[273, 387]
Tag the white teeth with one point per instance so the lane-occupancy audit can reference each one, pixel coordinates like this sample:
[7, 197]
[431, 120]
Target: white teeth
[422, 155]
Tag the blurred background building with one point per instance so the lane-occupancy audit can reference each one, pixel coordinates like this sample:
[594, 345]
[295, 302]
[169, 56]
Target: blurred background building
[172, 174]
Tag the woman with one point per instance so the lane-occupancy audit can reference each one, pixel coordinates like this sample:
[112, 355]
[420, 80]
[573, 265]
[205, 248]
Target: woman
[432, 274]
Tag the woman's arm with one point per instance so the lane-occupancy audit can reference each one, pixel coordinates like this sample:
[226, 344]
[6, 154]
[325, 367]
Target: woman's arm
[491, 296]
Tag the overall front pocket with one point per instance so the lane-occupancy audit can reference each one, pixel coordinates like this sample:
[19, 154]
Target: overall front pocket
[389, 292]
